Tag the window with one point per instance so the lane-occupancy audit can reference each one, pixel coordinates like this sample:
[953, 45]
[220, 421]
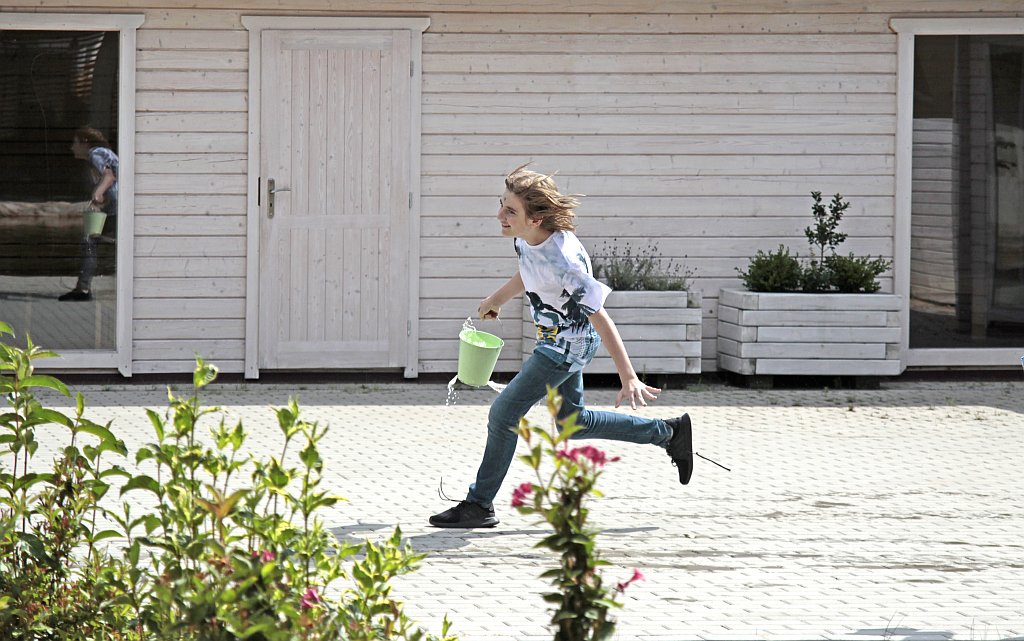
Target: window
[960, 190]
[967, 215]
[65, 192]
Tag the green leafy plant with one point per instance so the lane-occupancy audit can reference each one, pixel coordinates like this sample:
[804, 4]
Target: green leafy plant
[581, 600]
[51, 558]
[825, 270]
[824, 235]
[853, 274]
[232, 549]
[772, 272]
[644, 270]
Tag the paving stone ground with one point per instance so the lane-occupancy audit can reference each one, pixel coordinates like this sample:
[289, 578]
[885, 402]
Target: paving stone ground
[892, 514]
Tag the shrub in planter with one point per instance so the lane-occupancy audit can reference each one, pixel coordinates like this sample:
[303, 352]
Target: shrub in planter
[852, 274]
[772, 272]
[825, 270]
[774, 328]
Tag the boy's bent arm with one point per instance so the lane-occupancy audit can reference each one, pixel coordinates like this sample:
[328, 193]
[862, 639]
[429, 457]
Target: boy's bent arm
[490, 306]
[632, 387]
[100, 193]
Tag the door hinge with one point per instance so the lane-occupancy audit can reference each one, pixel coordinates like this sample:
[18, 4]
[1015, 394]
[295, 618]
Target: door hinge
[412, 68]
[410, 200]
[408, 328]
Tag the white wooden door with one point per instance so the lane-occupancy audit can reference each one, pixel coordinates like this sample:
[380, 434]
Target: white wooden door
[334, 137]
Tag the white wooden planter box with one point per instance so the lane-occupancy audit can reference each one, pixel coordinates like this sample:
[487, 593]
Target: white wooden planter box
[661, 332]
[808, 334]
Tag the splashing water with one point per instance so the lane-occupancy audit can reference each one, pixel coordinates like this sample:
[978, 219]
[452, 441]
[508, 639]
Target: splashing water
[449, 401]
[468, 334]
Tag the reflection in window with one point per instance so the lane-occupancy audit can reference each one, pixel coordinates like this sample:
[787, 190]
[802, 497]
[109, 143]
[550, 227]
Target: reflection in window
[58, 191]
[967, 220]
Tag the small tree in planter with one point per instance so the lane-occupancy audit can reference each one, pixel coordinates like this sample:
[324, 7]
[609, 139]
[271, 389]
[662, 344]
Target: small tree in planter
[800, 319]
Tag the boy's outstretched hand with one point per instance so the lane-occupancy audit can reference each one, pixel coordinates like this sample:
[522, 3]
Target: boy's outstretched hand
[635, 390]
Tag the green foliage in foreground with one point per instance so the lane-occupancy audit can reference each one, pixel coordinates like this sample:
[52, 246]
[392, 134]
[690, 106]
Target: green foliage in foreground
[566, 479]
[229, 547]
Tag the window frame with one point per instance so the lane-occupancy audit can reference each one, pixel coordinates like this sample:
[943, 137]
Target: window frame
[906, 29]
[126, 25]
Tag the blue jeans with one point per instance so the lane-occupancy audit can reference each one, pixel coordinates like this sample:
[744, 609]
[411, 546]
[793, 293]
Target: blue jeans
[530, 386]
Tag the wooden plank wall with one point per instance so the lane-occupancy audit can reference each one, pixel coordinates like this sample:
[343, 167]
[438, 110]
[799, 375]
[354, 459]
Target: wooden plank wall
[703, 131]
[701, 134]
[190, 192]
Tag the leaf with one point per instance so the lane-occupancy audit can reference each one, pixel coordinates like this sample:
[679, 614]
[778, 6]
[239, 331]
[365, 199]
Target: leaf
[204, 374]
[158, 424]
[53, 416]
[142, 482]
[151, 522]
[310, 456]
[41, 380]
[6, 329]
[28, 480]
[103, 433]
[106, 534]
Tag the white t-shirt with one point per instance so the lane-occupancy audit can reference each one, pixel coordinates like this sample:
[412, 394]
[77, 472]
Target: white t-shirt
[563, 293]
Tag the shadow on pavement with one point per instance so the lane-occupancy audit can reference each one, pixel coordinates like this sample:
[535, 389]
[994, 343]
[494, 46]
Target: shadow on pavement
[446, 539]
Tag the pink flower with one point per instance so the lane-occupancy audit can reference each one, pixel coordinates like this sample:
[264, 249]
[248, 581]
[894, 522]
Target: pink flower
[636, 577]
[572, 455]
[266, 556]
[589, 452]
[520, 494]
[310, 599]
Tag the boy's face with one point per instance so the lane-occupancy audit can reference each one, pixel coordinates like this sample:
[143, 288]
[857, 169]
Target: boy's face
[514, 221]
[79, 149]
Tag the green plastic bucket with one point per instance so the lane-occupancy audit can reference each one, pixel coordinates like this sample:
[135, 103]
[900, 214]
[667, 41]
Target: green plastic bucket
[93, 220]
[478, 352]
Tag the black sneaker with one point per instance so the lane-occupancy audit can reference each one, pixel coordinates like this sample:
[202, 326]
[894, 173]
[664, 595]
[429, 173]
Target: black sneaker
[76, 294]
[466, 514]
[680, 448]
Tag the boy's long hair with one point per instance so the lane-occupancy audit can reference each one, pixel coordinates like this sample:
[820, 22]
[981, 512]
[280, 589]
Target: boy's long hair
[541, 198]
[92, 137]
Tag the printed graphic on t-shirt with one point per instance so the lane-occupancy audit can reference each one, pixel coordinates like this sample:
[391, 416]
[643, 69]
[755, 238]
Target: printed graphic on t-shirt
[563, 294]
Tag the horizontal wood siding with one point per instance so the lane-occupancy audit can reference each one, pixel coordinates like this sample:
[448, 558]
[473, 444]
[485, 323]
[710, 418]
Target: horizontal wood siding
[190, 209]
[704, 140]
[702, 131]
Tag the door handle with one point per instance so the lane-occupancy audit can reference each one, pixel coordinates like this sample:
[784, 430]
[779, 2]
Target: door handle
[271, 190]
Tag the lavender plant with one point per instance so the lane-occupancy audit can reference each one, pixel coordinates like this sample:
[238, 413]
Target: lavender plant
[643, 270]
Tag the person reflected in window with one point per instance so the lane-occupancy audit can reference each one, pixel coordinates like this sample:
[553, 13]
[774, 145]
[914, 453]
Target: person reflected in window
[90, 145]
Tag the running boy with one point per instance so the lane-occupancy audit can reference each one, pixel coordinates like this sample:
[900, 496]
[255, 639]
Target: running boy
[567, 302]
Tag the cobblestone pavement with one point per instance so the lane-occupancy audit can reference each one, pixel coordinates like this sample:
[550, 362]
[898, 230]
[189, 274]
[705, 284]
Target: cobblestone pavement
[892, 514]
